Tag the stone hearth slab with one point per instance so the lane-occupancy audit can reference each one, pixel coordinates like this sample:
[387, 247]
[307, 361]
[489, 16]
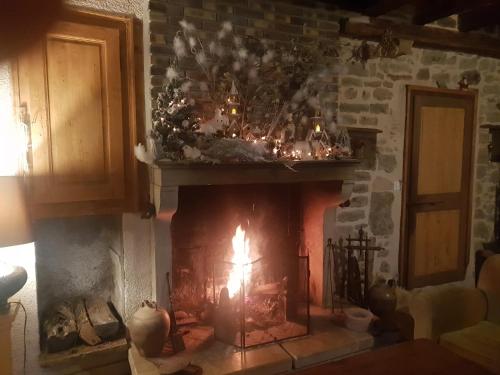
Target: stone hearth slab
[335, 344]
[218, 359]
[271, 359]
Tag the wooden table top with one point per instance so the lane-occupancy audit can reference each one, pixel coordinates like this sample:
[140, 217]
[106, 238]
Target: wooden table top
[419, 357]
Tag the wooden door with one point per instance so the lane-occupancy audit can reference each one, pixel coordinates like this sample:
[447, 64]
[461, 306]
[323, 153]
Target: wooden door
[77, 86]
[437, 186]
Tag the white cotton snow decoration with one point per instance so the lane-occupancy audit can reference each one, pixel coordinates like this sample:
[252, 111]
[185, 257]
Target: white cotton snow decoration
[215, 124]
[268, 56]
[191, 153]
[227, 26]
[186, 86]
[201, 58]
[179, 47]
[243, 53]
[192, 42]
[142, 155]
[171, 74]
[189, 27]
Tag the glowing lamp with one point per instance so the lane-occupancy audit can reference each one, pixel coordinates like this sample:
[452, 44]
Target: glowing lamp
[15, 229]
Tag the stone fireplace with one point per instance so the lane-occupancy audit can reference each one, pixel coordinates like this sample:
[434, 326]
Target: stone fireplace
[274, 216]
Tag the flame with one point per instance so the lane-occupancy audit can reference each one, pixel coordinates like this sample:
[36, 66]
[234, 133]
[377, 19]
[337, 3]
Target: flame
[240, 260]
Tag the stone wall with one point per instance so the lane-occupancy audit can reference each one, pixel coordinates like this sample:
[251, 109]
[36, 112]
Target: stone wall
[375, 96]
[275, 21]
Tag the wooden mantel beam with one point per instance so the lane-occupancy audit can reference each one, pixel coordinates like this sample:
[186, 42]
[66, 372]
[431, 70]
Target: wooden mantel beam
[425, 37]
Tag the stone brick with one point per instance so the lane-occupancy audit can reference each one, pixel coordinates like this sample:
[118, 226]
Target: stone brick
[394, 66]
[365, 95]
[386, 162]
[359, 201]
[345, 119]
[200, 13]
[491, 90]
[381, 184]
[493, 116]
[400, 77]
[353, 108]
[467, 63]
[350, 215]
[328, 25]
[360, 188]
[350, 93]
[373, 83]
[156, 5]
[481, 230]
[357, 70]
[287, 28]
[442, 78]
[382, 94]
[485, 64]
[349, 81]
[380, 217]
[361, 176]
[432, 57]
[378, 108]
[423, 74]
[388, 84]
[368, 121]
[250, 13]
[472, 76]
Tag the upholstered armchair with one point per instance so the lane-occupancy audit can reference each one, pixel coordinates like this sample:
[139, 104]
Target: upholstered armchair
[465, 320]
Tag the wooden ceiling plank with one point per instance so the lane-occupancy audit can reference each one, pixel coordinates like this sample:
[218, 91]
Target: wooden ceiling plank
[480, 17]
[425, 37]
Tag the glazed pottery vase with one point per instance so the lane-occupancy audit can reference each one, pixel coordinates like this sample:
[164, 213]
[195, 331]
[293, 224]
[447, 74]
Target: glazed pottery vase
[382, 299]
[148, 327]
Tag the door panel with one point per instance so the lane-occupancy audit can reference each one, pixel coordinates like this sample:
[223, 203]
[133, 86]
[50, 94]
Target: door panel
[438, 154]
[437, 240]
[441, 150]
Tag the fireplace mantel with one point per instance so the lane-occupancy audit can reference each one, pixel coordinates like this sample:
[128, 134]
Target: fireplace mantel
[167, 173]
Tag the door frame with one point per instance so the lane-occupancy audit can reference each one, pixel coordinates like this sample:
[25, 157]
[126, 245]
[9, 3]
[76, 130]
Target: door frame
[411, 91]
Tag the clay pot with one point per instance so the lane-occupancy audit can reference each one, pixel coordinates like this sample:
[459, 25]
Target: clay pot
[148, 327]
[382, 298]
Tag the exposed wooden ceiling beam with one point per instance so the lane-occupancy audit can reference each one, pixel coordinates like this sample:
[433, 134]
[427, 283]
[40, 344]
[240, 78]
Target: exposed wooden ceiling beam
[429, 11]
[372, 8]
[425, 37]
[381, 7]
[479, 17]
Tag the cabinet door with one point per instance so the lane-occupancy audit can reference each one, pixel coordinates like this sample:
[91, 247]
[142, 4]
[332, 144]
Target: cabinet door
[77, 85]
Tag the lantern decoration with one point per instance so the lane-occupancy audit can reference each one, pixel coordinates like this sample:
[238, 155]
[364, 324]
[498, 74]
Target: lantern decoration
[233, 102]
[317, 126]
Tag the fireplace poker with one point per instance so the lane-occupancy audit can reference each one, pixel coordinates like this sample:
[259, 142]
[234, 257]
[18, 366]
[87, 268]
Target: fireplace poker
[176, 337]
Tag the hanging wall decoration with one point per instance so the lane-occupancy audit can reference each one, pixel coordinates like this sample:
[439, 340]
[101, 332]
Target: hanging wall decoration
[244, 100]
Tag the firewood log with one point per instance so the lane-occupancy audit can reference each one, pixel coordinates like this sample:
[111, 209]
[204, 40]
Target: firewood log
[85, 330]
[60, 328]
[102, 319]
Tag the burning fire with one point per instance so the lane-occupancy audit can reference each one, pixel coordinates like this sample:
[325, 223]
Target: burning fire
[241, 262]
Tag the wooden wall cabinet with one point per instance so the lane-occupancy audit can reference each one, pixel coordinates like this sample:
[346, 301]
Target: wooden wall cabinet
[80, 88]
